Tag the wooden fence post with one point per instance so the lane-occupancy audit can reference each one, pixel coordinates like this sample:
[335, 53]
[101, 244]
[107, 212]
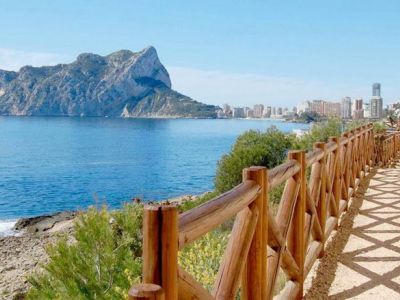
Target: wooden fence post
[254, 277]
[146, 291]
[297, 244]
[169, 251]
[160, 248]
[151, 245]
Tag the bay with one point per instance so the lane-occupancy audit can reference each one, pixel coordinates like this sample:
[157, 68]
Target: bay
[52, 164]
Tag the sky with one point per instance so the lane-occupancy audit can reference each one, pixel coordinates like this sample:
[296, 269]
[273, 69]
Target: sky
[238, 52]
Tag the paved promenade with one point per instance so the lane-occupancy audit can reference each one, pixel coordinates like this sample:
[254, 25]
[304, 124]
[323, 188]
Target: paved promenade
[363, 259]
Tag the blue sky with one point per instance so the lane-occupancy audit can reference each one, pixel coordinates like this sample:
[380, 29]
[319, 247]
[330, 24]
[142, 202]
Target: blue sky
[241, 52]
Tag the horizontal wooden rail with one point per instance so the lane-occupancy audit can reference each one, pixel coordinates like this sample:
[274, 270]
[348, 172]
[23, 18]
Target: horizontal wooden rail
[196, 222]
[317, 188]
[283, 172]
[314, 156]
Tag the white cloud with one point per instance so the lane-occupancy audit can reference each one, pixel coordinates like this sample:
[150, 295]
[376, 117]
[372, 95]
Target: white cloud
[11, 59]
[218, 87]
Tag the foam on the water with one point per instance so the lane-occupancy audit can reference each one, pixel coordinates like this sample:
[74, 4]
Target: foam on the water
[6, 228]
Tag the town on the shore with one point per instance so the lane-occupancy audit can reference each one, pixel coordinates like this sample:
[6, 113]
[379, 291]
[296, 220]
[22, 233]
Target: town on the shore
[314, 110]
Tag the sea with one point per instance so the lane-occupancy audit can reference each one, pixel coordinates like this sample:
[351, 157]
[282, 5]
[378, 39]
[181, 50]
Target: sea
[51, 164]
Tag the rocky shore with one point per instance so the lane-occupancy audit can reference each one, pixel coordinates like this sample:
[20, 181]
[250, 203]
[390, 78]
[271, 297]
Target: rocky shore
[21, 255]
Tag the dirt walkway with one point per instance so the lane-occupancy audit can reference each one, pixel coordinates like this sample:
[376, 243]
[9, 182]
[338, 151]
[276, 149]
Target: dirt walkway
[362, 260]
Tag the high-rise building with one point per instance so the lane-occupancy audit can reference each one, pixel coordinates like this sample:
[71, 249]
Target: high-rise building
[332, 109]
[326, 108]
[227, 110]
[258, 110]
[366, 109]
[358, 111]
[346, 108]
[250, 113]
[273, 111]
[376, 107]
[317, 106]
[376, 103]
[238, 112]
[376, 90]
[358, 104]
[267, 112]
[279, 111]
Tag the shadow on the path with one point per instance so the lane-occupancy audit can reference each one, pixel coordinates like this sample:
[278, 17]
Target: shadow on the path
[376, 259]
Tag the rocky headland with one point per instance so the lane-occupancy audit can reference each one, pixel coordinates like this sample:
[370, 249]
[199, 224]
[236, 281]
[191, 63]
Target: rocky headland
[121, 84]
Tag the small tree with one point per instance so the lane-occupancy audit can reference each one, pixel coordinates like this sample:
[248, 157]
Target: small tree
[101, 262]
[252, 148]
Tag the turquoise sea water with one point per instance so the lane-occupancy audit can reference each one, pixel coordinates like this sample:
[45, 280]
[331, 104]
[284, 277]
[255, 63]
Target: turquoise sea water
[54, 164]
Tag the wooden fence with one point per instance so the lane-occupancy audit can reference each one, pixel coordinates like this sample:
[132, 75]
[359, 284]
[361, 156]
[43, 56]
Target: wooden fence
[386, 146]
[317, 189]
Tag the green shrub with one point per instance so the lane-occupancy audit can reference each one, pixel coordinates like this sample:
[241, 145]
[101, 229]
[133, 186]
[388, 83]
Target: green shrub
[319, 132]
[380, 127]
[253, 148]
[355, 124]
[101, 262]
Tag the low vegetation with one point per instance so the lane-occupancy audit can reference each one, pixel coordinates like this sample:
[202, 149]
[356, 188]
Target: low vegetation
[103, 257]
[203, 257]
[100, 262]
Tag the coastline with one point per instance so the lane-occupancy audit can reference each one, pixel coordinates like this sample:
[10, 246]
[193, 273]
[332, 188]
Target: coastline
[7, 228]
[22, 251]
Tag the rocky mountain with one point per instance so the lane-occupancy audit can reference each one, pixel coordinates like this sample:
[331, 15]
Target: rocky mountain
[122, 84]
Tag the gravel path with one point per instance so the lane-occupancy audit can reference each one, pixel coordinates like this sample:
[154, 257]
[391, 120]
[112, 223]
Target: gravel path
[362, 260]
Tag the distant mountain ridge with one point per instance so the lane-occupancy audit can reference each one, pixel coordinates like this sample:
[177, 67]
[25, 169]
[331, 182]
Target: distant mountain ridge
[122, 84]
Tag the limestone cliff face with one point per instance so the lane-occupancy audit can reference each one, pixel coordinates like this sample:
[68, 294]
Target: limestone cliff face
[123, 83]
